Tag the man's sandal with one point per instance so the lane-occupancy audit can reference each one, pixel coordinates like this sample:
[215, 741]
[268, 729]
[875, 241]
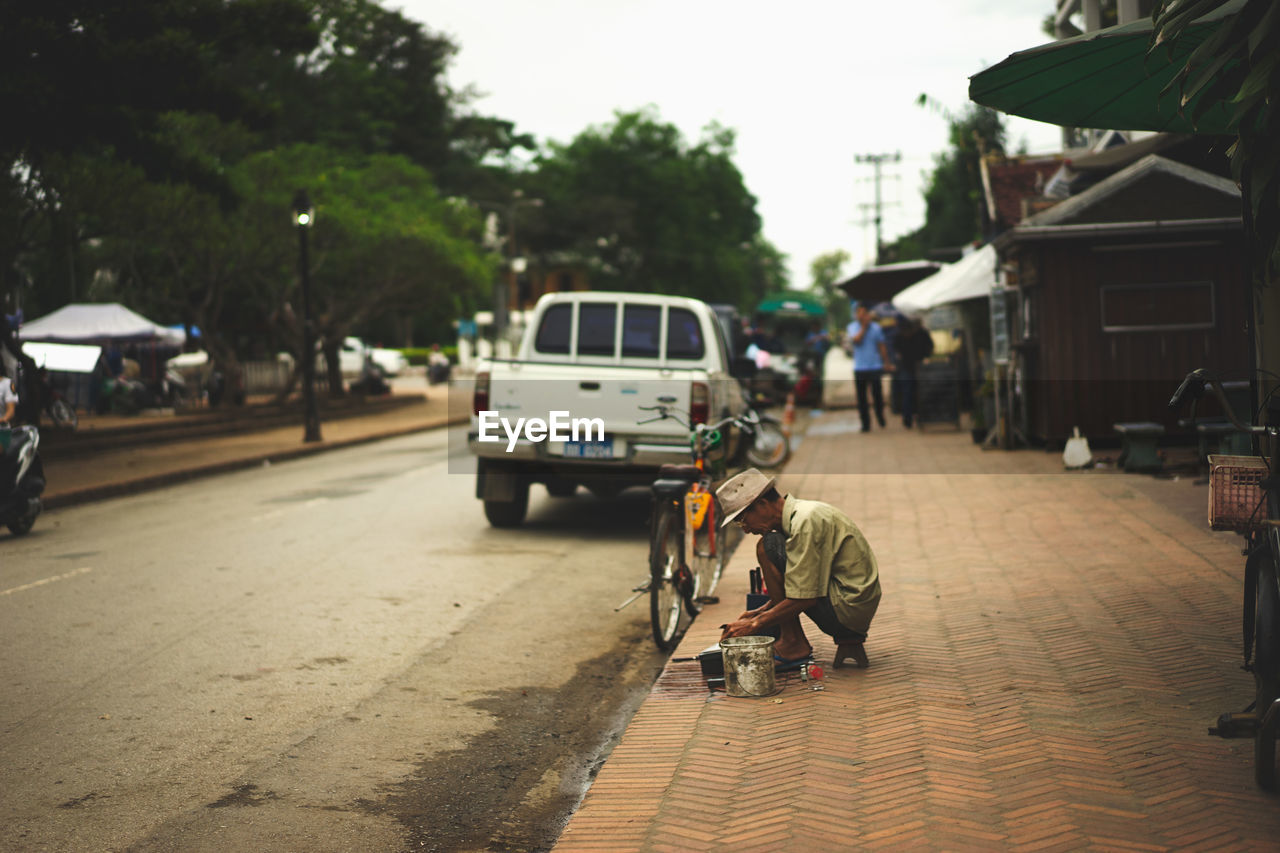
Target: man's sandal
[781, 664]
[850, 650]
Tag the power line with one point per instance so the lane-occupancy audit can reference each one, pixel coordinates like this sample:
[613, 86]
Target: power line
[877, 162]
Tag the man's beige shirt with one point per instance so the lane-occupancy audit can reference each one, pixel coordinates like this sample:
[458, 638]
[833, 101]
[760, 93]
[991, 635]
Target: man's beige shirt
[827, 557]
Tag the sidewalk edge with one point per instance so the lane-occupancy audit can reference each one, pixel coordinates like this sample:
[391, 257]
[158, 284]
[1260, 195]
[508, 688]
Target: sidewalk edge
[89, 494]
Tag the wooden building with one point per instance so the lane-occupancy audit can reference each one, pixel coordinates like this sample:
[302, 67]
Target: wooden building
[1115, 293]
[549, 276]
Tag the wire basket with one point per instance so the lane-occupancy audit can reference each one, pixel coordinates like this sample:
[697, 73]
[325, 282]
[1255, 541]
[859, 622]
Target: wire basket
[1236, 499]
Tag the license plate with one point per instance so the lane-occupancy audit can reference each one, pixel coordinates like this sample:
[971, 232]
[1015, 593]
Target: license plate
[589, 449]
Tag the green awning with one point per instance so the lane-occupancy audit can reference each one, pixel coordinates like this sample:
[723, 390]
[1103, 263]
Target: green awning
[1104, 79]
[791, 303]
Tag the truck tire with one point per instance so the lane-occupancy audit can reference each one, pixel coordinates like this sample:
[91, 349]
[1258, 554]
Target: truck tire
[561, 488]
[509, 513]
[605, 489]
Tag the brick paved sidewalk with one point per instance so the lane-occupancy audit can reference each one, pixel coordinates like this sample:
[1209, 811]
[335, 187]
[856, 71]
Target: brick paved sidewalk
[1049, 653]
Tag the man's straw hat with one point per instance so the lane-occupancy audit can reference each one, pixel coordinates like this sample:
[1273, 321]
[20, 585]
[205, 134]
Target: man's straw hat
[740, 491]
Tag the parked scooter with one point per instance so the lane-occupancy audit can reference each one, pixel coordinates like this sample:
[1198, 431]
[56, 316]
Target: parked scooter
[21, 480]
[764, 443]
[438, 373]
[438, 366]
[62, 413]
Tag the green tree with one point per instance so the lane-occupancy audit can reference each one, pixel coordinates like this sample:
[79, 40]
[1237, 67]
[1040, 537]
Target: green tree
[385, 240]
[97, 76]
[375, 85]
[646, 211]
[824, 272]
[1239, 62]
[954, 209]
[152, 186]
[86, 82]
[769, 271]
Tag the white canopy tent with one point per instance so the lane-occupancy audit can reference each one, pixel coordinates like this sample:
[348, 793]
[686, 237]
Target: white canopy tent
[99, 324]
[69, 358]
[74, 366]
[972, 276]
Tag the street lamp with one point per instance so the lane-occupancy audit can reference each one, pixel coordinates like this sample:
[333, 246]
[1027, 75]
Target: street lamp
[304, 216]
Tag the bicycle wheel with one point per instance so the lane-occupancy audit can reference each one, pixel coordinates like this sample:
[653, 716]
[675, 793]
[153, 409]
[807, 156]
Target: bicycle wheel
[1266, 666]
[708, 557]
[770, 446]
[665, 577]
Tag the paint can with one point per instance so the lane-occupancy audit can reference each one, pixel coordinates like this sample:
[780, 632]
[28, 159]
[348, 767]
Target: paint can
[748, 666]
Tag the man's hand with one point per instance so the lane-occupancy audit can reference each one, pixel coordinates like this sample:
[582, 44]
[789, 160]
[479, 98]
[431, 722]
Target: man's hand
[744, 627]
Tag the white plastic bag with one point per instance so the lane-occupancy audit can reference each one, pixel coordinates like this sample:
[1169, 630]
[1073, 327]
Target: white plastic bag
[1076, 454]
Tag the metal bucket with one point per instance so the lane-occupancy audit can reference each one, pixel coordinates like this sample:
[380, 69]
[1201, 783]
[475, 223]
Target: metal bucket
[748, 666]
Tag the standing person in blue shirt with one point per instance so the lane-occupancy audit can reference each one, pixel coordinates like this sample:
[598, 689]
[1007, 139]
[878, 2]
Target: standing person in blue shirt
[870, 361]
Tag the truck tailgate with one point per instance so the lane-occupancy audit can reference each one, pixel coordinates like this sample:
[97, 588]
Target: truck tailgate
[609, 397]
[614, 395]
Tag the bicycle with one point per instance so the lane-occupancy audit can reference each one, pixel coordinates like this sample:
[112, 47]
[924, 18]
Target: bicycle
[1244, 496]
[684, 520]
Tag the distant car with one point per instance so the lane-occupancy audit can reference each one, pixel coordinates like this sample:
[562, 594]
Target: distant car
[354, 352]
[352, 356]
[391, 362]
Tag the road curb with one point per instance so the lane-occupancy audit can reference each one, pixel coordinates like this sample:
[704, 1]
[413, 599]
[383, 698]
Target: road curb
[92, 439]
[89, 494]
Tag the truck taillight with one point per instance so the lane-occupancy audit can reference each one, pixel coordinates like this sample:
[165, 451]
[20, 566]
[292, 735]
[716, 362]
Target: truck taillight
[480, 399]
[699, 403]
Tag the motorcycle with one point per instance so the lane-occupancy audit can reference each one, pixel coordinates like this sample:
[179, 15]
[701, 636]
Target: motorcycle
[21, 480]
[765, 444]
[438, 372]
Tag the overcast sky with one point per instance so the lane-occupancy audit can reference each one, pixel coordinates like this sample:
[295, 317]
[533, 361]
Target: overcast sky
[807, 86]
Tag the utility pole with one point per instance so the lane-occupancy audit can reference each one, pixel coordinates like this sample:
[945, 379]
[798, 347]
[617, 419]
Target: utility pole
[877, 161]
[505, 290]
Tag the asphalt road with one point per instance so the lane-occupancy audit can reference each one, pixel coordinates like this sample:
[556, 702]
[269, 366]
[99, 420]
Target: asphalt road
[336, 653]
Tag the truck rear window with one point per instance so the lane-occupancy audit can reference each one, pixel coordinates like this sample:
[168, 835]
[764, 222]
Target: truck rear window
[553, 331]
[596, 324]
[684, 335]
[641, 331]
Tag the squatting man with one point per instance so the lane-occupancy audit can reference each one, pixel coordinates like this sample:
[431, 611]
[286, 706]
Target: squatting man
[814, 560]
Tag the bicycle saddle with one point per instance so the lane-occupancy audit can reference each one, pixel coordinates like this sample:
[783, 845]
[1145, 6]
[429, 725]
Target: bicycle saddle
[688, 473]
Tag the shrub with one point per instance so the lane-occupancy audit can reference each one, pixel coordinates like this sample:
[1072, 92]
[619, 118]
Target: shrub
[419, 355]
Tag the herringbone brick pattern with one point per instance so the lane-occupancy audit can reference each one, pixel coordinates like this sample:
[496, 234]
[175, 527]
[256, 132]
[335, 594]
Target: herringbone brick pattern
[1049, 653]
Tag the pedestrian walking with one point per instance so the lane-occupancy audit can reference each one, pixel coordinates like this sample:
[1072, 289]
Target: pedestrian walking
[912, 346]
[870, 360]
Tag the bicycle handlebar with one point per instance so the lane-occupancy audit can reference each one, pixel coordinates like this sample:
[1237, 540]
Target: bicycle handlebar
[1193, 386]
[665, 412]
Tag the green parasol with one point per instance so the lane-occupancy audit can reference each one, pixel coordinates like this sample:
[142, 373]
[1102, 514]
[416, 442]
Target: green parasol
[1106, 79]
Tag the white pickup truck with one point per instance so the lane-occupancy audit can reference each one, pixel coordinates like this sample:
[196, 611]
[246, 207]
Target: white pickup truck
[568, 410]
